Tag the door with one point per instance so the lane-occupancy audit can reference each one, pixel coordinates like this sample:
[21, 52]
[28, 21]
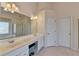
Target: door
[65, 32]
[51, 32]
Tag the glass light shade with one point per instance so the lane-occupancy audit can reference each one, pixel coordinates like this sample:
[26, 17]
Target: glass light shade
[16, 8]
[10, 7]
[12, 11]
[5, 9]
[34, 17]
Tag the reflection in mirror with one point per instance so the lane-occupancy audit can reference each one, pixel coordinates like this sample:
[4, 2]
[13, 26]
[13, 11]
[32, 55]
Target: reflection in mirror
[14, 25]
[7, 29]
[4, 28]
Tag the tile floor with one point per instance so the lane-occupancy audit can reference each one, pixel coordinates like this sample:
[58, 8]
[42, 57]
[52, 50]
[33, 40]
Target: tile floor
[57, 51]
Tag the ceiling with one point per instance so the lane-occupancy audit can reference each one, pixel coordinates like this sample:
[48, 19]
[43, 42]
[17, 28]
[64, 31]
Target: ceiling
[31, 8]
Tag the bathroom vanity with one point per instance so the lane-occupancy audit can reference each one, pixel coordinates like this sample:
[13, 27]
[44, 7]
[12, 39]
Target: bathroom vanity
[19, 36]
[22, 46]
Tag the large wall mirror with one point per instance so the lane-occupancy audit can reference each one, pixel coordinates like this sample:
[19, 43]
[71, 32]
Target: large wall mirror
[13, 24]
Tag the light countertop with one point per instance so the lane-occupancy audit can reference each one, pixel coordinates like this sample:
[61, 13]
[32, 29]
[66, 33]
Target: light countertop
[18, 42]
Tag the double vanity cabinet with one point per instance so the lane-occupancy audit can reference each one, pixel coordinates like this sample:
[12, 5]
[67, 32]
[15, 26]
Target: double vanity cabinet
[29, 47]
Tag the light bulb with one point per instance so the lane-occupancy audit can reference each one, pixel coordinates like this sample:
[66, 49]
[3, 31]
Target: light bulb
[13, 5]
[35, 17]
[5, 9]
[12, 11]
[16, 8]
[8, 6]
[32, 18]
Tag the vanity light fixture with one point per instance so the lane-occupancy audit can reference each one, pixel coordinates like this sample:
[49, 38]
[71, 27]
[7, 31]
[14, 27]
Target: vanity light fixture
[34, 17]
[10, 7]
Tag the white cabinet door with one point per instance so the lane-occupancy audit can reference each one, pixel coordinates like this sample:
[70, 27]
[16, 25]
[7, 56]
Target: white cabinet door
[50, 39]
[19, 52]
[65, 31]
[40, 43]
[14, 53]
[24, 51]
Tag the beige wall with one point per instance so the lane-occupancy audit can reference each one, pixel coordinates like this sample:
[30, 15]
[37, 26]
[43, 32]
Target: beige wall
[66, 9]
[27, 8]
[45, 6]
